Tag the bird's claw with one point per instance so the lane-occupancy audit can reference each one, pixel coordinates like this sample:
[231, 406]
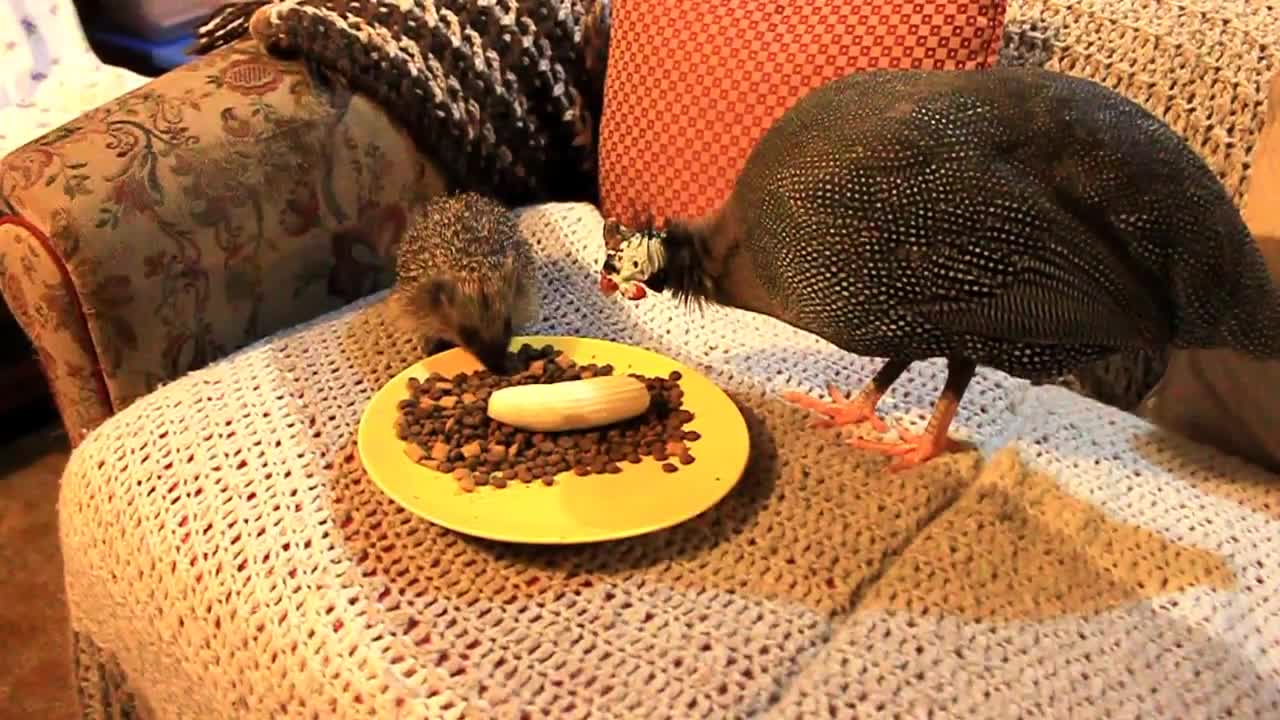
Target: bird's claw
[911, 450]
[839, 411]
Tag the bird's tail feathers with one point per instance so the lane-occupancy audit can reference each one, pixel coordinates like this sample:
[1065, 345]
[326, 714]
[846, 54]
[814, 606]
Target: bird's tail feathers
[1253, 327]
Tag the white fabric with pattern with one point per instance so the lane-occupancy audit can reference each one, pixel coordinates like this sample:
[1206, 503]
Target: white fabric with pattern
[48, 73]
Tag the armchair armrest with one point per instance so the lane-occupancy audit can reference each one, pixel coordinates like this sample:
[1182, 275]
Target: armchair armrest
[217, 204]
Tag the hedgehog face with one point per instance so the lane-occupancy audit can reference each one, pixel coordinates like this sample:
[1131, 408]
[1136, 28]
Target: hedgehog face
[463, 276]
[477, 319]
[484, 326]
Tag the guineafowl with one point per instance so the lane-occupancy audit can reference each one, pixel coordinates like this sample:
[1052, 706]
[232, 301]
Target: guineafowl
[1016, 218]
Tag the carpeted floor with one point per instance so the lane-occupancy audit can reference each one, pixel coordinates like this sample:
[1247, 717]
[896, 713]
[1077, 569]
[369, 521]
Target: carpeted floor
[35, 660]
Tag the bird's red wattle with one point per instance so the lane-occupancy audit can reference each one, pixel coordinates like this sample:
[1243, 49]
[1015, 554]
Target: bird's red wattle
[607, 285]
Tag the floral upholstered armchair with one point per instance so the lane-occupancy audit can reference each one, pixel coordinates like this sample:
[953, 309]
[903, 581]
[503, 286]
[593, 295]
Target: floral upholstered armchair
[48, 75]
[208, 208]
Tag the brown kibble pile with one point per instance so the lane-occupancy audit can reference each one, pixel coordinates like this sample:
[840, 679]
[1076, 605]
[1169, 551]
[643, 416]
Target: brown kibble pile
[446, 427]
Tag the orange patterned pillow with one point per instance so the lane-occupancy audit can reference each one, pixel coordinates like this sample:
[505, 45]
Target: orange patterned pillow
[693, 84]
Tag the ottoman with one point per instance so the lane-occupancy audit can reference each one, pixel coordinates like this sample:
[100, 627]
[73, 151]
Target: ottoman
[227, 557]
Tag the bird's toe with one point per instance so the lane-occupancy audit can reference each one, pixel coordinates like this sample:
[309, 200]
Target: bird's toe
[838, 412]
[910, 450]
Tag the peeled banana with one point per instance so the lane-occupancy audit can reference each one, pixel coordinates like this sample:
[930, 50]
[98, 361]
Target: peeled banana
[569, 405]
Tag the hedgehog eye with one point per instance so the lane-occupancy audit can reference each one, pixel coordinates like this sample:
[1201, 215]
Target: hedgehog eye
[437, 293]
[635, 264]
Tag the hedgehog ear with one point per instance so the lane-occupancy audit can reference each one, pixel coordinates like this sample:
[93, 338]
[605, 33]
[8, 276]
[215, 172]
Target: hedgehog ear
[439, 293]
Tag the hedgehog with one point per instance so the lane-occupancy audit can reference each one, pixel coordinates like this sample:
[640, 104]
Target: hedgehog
[464, 278]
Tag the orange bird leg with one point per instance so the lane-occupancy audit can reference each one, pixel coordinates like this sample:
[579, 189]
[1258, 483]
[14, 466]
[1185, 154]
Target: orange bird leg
[862, 408]
[915, 449]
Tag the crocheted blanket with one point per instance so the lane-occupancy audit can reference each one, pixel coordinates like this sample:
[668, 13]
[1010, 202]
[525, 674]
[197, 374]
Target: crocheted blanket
[504, 95]
[1074, 565]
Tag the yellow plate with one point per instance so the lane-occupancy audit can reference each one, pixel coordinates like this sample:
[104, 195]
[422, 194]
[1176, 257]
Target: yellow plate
[640, 499]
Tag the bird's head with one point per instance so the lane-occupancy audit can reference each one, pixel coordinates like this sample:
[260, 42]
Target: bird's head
[633, 259]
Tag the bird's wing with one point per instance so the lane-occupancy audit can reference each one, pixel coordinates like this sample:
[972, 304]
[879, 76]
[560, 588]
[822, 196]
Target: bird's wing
[1063, 280]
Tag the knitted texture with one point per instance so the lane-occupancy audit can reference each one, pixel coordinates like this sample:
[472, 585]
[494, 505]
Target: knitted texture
[100, 685]
[503, 94]
[229, 558]
[693, 84]
[1026, 43]
[1202, 66]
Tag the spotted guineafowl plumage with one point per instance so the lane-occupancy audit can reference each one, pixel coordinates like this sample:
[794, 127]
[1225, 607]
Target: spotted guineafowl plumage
[1015, 218]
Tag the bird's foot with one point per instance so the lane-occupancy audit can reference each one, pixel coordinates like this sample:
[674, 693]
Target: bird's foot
[840, 410]
[911, 450]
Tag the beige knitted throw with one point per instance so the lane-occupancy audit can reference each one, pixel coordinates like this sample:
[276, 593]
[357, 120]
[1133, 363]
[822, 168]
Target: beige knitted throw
[227, 557]
[1202, 66]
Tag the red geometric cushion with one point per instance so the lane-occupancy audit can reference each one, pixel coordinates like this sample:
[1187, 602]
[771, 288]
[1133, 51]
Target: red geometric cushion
[693, 84]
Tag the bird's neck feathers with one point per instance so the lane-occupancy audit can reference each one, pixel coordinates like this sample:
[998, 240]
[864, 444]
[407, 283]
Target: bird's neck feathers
[671, 260]
[682, 270]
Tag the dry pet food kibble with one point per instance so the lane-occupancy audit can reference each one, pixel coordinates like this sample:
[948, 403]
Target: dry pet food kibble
[446, 427]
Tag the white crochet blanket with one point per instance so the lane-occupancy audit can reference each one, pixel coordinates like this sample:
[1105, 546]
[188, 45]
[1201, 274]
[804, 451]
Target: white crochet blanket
[226, 557]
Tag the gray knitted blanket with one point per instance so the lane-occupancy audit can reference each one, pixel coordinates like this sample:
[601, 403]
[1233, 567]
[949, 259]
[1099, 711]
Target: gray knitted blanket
[504, 95]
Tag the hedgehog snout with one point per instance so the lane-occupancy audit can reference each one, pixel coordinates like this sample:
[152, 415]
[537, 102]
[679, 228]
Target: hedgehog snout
[493, 355]
[490, 347]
